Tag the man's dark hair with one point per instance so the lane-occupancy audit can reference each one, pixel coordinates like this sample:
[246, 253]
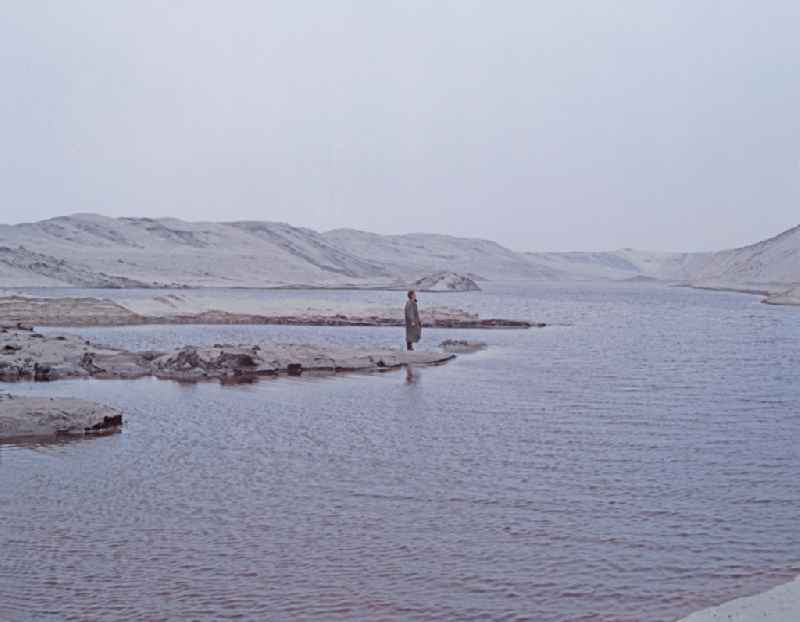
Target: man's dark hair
[411, 293]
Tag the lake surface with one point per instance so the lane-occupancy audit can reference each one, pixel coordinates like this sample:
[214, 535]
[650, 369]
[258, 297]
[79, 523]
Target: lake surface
[636, 461]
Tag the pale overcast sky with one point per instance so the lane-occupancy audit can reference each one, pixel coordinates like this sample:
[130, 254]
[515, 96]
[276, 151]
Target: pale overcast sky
[543, 125]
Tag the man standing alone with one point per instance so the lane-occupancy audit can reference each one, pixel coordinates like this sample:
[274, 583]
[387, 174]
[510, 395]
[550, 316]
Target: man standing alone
[413, 325]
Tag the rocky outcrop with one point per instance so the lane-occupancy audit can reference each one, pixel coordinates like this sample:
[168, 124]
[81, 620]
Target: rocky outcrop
[232, 362]
[445, 282]
[28, 355]
[28, 417]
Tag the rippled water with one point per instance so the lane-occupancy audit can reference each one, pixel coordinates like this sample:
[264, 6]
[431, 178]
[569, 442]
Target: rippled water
[636, 462]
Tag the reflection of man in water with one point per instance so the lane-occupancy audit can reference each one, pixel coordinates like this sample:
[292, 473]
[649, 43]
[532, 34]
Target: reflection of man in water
[413, 325]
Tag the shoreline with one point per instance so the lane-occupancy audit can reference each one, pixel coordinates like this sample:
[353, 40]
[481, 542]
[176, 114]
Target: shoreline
[167, 309]
[779, 604]
[233, 319]
[787, 296]
[729, 289]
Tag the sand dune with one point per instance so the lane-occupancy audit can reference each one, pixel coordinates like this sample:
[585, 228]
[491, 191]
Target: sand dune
[88, 250]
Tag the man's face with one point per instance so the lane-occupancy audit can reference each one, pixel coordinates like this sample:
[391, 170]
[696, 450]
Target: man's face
[414, 296]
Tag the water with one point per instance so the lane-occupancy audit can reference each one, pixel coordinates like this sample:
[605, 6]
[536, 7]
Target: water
[636, 461]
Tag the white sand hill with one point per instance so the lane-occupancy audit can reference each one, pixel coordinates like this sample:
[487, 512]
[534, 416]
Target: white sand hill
[88, 250]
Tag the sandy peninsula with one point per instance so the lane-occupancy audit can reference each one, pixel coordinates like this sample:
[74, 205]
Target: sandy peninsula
[216, 308]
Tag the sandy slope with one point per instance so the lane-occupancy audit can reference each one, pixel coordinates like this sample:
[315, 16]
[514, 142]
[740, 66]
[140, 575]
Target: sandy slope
[163, 251]
[772, 261]
[87, 250]
[769, 267]
[624, 264]
[419, 253]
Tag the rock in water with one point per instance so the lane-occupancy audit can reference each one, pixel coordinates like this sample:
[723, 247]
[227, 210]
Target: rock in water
[461, 346]
[22, 417]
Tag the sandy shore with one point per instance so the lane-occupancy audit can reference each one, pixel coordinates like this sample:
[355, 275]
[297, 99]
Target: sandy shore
[23, 417]
[772, 294]
[734, 289]
[780, 604]
[216, 309]
[29, 355]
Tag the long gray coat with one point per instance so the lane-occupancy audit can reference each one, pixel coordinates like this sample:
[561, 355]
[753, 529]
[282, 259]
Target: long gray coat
[413, 325]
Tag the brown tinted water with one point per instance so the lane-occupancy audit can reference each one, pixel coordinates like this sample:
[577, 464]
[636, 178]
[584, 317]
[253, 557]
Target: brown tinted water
[636, 462]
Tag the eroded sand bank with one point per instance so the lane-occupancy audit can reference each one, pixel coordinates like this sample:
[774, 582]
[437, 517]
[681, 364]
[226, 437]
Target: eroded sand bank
[23, 417]
[780, 604]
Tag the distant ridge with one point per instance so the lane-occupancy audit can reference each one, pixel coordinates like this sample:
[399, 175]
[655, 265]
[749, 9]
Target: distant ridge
[90, 250]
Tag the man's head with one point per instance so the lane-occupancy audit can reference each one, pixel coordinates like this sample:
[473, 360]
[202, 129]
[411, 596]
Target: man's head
[412, 295]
